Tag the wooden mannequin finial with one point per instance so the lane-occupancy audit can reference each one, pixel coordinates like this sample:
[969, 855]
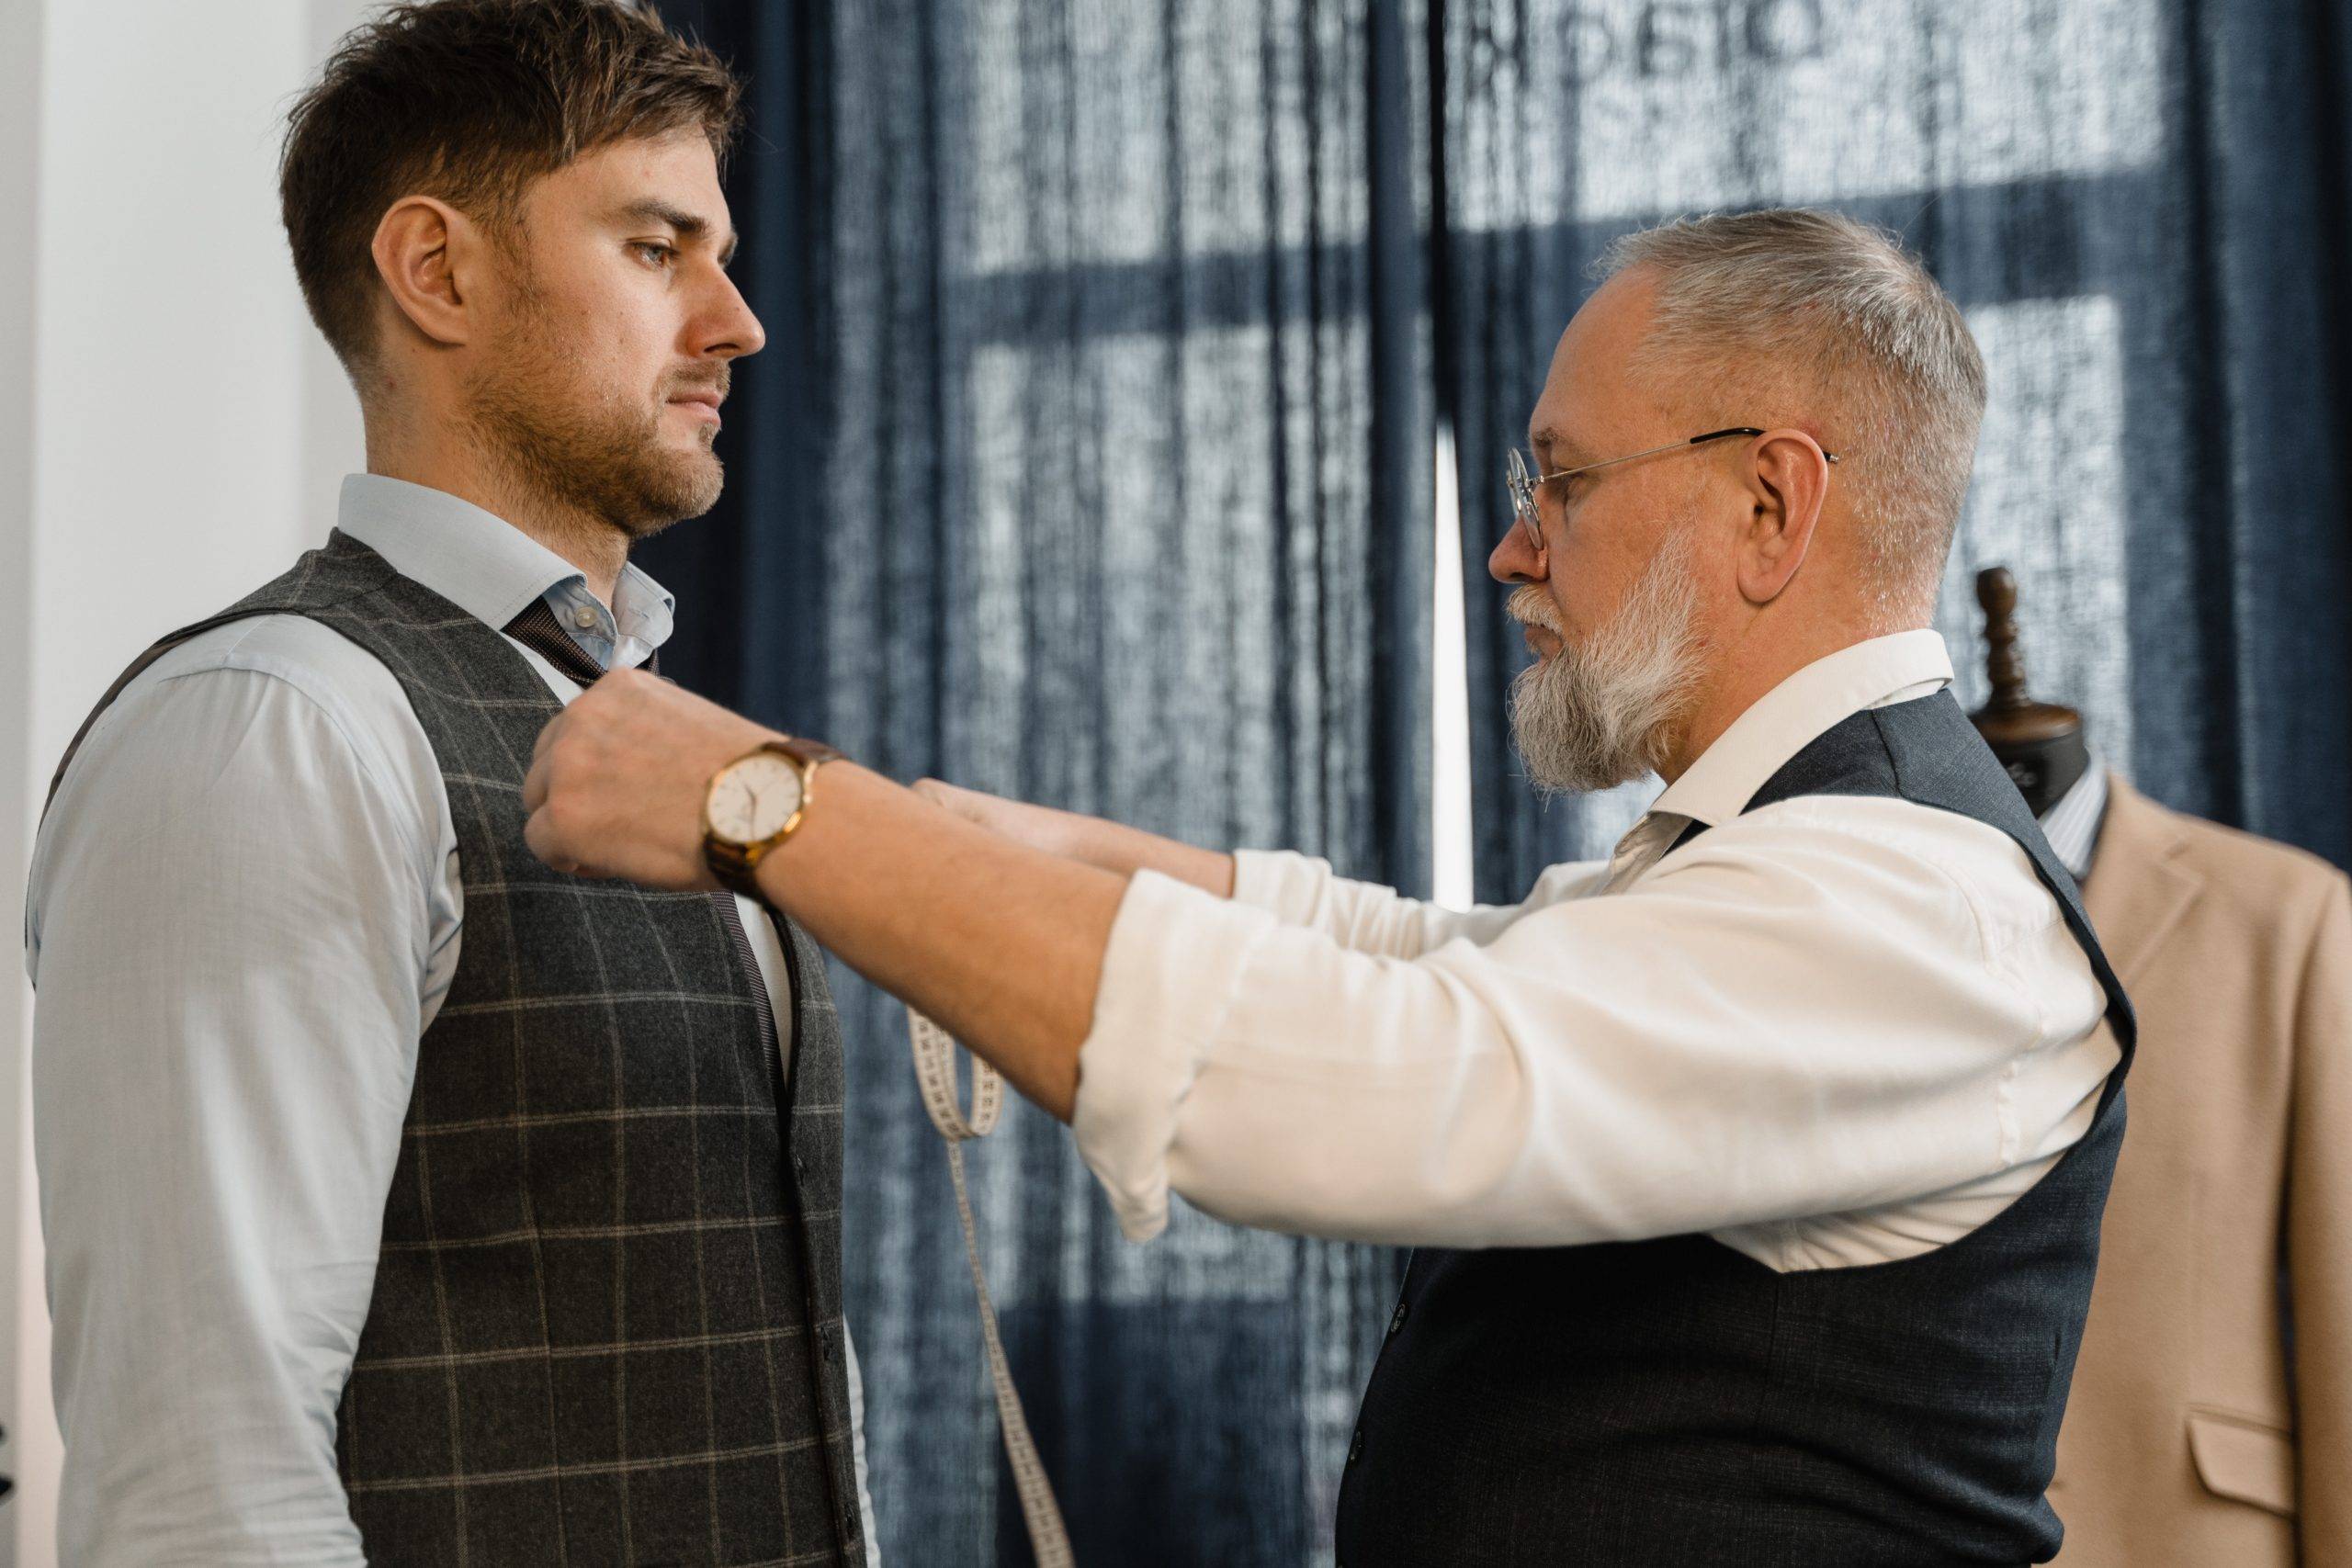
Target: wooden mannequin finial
[2040, 744]
[2011, 718]
[1996, 591]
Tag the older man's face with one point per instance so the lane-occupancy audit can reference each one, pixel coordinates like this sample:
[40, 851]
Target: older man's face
[1599, 530]
[1613, 602]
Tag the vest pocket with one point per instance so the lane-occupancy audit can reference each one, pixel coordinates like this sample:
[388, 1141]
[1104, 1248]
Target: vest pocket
[2243, 1459]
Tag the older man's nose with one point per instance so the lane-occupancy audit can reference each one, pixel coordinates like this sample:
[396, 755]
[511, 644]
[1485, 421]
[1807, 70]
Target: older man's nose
[1512, 559]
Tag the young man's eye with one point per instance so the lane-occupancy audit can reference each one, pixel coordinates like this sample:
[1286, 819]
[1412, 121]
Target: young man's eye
[659, 255]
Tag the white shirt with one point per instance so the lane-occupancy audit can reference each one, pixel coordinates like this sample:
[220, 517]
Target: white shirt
[245, 909]
[1831, 1030]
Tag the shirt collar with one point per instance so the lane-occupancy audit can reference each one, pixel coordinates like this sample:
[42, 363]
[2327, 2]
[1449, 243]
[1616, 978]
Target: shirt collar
[488, 568]
[1781, 723]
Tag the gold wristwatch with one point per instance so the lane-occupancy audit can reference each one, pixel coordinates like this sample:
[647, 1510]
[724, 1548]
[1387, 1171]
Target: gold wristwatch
[753, 803]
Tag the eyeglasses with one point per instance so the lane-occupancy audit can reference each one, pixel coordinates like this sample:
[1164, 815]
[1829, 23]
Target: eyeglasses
[1523, 482]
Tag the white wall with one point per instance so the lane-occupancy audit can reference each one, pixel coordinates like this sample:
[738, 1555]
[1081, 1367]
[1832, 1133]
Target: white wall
[170, 430]
[20, 47]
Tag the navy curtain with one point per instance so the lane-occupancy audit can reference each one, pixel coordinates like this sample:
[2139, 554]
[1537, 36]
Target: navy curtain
[1090, 461]
[2141, 206]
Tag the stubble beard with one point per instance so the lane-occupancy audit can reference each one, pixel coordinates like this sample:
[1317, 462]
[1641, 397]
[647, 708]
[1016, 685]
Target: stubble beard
[1594, 716]
[590, 451]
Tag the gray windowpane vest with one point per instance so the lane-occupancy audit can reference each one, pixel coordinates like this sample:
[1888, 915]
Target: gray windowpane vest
[1674, 1403]
[606, 1320]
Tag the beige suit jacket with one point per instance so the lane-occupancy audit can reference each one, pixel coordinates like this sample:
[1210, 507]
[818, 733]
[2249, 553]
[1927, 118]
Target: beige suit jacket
[2196, 1434]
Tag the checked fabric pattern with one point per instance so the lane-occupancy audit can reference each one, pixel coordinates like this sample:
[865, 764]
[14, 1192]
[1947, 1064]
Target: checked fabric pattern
[606, 1320]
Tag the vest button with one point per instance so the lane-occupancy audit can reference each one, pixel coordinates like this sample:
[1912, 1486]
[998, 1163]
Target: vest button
[1396, 1319]
[1355, 1446]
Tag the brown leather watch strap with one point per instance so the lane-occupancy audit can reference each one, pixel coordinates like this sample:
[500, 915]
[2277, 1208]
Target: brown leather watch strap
[734, 869]
[811, 751]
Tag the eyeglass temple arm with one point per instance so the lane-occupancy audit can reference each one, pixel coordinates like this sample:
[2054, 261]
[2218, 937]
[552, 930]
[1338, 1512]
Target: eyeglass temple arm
[1750, 431]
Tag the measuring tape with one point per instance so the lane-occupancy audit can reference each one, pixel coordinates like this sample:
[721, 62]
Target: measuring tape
[935, 1072]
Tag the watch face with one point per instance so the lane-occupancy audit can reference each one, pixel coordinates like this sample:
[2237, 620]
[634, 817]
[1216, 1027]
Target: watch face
[754, 798]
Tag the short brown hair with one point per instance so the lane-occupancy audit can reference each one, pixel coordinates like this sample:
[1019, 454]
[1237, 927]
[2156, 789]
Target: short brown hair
[470, 101]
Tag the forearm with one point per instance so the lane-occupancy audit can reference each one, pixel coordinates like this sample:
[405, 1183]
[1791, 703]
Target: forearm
[1090, 840]
[1116, 847]
[998, 942]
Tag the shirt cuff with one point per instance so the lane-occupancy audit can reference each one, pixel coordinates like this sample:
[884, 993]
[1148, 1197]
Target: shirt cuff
[1175, 955]
[1291, 885]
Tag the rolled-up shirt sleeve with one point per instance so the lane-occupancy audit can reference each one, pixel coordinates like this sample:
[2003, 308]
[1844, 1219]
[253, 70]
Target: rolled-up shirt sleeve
[1175, 961]
[1799, 1014]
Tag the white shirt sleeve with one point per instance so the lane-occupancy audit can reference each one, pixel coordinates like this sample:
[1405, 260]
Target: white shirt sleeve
[1363, 917]
[1814, 1008]
[228, 922]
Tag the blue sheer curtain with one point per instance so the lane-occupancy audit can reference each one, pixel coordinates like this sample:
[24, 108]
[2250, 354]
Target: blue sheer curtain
[1090, 462]
[2141, 206]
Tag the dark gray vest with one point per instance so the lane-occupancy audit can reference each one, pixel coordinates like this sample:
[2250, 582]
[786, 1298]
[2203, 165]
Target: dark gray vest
[606, 1322]
[1676, 1403]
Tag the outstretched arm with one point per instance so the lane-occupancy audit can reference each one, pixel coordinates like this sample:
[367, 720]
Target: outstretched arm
[1298, 890]
[1692, 1054]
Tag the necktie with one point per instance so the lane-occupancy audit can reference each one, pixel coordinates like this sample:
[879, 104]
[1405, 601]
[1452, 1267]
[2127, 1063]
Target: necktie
[538, 629]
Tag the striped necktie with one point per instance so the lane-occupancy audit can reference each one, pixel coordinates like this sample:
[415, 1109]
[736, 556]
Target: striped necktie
[538, 629]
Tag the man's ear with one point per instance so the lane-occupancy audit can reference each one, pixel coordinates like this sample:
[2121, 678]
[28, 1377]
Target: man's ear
[1788, 479]
[426, 252]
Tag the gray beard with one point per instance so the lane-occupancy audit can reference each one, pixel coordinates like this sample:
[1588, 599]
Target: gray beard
[1593, 718]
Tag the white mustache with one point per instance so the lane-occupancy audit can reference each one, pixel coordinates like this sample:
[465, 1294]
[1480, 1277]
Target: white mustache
[1528, 606]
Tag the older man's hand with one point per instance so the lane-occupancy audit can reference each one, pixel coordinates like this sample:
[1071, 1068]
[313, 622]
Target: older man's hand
[616, 783]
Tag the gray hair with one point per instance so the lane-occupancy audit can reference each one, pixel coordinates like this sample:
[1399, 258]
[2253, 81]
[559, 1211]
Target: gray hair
[1827, 323]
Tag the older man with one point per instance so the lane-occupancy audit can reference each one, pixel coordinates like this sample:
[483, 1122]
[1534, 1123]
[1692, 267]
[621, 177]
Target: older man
[1758, 1170]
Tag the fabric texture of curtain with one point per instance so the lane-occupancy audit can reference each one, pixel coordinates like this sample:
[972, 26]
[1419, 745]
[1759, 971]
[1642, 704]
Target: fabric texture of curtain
[1090, 462]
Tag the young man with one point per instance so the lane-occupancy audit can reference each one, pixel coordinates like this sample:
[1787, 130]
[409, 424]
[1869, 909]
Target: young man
[403, 1199]
[1758, 1172]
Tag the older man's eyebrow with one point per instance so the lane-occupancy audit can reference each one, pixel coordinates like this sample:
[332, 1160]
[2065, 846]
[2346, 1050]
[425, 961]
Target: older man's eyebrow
[1557, 450]
[688, 225]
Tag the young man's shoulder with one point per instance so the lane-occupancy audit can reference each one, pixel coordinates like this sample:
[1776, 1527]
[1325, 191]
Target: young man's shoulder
[350, 687]
[278, 699]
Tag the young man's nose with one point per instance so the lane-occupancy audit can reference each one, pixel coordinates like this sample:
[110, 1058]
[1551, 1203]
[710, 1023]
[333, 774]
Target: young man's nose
[730, 327]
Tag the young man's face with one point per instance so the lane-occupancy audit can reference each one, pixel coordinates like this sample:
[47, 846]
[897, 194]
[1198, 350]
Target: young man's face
[606, 355]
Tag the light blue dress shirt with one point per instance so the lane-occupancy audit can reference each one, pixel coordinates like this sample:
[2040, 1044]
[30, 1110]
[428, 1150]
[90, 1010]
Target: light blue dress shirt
[245, 909]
